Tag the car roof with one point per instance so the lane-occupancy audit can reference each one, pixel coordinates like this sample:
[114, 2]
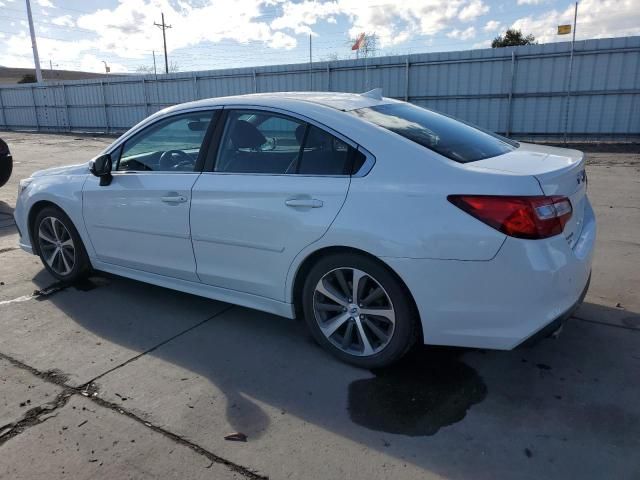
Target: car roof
[336, 100]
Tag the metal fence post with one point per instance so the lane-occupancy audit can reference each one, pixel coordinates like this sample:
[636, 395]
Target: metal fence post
[55, 107]
[4, 115]
[35, 109]
[195, 86]
[146, 98]
[255, 82]
[104, 105]
[66, 106]
[328, 78]
[406, 80]
[510, 98]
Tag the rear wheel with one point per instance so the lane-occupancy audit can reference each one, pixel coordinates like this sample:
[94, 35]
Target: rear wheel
[358, 310]
[59, 245]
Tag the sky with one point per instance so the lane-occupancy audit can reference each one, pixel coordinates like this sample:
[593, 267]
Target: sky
[213, 34]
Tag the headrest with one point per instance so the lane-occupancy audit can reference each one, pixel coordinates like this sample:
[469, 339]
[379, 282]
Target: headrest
[316, 138]
[246, 135]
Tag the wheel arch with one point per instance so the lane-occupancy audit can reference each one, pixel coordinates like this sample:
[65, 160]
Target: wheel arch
[36, 208]
[309, 261]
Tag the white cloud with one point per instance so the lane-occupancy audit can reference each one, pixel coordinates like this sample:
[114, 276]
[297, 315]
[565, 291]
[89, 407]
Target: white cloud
[46, 4]
[299, 17]
[64, 20]
[491, 26]
[392, 22]
[596, 19]
[462, 34]
[530, 2]
[128, 24]
[475, 9]
[281, 40]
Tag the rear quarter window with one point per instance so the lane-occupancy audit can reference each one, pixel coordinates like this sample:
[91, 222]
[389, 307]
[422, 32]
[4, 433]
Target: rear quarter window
[445, 135]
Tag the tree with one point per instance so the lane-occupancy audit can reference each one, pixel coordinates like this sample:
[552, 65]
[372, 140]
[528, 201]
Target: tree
[144, 69]
[513, 38]
[330, 57]
[28, 78]
[173, 68]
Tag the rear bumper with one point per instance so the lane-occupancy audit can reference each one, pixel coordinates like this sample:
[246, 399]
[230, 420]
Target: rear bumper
[500, 303]
[556, 324]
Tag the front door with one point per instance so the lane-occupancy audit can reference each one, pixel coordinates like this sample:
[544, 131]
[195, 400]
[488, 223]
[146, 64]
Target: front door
[277, 185]
[141, 220]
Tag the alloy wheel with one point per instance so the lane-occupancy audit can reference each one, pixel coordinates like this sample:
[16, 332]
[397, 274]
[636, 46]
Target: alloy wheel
[56, 246]
[354, 312]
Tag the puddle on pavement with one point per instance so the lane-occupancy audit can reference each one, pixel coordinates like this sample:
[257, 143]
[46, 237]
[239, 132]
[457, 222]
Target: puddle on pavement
[427, 390]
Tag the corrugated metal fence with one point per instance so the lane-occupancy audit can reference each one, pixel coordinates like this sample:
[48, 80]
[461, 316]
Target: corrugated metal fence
[521, 91]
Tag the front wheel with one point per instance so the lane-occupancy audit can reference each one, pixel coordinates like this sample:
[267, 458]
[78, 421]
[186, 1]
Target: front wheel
[59, 245]
[358, 310]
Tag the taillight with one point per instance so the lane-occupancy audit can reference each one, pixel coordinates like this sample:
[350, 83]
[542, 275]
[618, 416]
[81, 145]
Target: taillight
[521, 217]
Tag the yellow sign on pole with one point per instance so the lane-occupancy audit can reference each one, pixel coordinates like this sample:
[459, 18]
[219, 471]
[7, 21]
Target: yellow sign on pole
[564, 29]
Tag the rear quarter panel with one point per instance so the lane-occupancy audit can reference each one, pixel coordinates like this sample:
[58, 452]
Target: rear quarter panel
[400, 209]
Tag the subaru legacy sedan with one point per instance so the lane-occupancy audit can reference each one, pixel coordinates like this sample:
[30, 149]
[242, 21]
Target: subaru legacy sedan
[379, 222]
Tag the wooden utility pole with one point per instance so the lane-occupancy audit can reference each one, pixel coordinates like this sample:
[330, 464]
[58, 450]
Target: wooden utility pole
[164, 27]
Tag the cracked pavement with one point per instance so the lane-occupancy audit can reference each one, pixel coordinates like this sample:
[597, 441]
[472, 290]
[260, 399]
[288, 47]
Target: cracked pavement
[113, 378]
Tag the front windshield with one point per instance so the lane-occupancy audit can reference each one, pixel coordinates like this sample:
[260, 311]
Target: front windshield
[445, 135]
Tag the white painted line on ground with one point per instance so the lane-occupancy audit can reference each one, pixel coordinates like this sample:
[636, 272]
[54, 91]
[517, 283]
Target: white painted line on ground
[24, 298]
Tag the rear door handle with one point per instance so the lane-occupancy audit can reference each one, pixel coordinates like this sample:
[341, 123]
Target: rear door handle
[174, 199]
[304, 202]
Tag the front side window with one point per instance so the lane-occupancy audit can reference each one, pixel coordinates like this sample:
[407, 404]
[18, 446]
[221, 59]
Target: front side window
[447, 136]
[271, 143]
[170, 145]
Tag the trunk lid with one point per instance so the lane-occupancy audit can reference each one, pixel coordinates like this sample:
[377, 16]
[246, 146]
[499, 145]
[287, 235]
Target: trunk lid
[559, 171]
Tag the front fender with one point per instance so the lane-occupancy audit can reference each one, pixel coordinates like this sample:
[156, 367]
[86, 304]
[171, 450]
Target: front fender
[63, 191]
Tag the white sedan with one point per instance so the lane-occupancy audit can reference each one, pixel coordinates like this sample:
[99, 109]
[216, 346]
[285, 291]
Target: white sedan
[381, 223]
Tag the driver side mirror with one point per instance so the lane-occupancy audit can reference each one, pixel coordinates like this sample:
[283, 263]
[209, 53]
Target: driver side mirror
[101, 168]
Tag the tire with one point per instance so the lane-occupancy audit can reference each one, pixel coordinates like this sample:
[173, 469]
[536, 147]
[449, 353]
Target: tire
[59, 245]
[6, 167]
[389, 336]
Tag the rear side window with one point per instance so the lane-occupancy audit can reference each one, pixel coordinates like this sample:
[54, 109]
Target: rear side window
[271, 143]
[447, 136]
[324, 154]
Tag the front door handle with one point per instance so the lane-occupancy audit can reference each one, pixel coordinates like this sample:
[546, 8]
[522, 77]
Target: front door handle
[304, 202]
[174, 199]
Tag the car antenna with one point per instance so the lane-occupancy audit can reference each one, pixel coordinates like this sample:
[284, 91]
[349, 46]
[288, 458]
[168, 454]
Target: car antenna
[376, 94]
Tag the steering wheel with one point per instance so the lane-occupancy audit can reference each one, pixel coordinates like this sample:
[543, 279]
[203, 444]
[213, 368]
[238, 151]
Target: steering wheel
[175, 160]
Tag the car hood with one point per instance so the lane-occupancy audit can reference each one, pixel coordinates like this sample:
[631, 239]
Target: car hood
[79, 169]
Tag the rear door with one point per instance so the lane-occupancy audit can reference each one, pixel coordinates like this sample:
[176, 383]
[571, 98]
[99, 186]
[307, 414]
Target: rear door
[276, 185]
[141, 220]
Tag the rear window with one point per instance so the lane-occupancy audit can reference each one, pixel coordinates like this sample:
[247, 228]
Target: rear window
[447, 136]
